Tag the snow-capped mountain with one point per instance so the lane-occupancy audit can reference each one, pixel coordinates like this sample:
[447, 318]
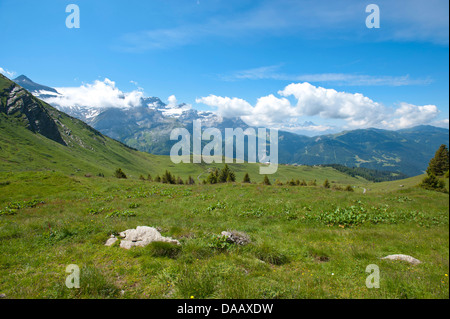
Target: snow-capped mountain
[145, 123]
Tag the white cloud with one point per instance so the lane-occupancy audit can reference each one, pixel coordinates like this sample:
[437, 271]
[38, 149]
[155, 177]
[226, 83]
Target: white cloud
[272, 73]
[354, 109]
[172, 102]
[441, 123]
[100, 94]
[227, 107]
[408, 115]
[9, 74]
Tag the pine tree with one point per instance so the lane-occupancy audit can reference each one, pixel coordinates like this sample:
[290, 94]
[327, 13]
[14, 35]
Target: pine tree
[149, 178]
[266, 180]
[158, 179]
[168, 178]
[439, 164]
[246, 178]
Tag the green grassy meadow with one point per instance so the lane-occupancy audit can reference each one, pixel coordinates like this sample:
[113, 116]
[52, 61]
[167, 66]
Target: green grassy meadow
[307, 241]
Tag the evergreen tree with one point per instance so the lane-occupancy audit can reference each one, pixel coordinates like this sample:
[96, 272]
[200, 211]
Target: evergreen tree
[141, 177]
[149, 178]
[168, 178]
[158, 179]
[266, 180]
[326, 184]
[439, 164]
[246, 178]
[180, 181]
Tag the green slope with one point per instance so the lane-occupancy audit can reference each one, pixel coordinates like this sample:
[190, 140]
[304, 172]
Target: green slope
[87, 151]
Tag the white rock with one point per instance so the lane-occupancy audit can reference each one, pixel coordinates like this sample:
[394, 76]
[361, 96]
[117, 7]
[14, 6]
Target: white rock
[142, 236]
[111, 241]
[407, 258]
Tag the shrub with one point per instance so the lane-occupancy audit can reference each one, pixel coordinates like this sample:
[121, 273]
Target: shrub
[326, 184]
[246, 178]
[266, 180]
[349, 188]
[141, 177]
[190, 181]
[158, 179]
[119, 173]
[149, 178]
[313, 183]
[431, 182]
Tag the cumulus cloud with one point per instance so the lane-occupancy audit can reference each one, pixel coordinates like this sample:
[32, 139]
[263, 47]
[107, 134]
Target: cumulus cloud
[100, 94]
[354, 109]
[9, 74]
[408, 115]
[227, 107]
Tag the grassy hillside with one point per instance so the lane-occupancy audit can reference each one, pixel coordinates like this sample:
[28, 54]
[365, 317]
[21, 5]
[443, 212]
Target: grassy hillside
[87, 151]
[302, 246]
[306, 242]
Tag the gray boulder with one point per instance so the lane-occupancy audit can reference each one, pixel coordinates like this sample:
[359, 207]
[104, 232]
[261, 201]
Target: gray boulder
[406, 258]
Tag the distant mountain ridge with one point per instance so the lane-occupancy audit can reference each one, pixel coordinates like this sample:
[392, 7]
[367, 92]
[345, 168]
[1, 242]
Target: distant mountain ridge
[147, 128]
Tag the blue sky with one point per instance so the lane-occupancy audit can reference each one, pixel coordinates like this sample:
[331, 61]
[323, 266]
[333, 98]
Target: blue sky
[246, 58]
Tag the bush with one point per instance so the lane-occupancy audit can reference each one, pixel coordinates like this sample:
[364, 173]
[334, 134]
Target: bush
[246, 178]
[431, 182]
[326, 184]
[266, 180]
[119, 173]
[349, 188]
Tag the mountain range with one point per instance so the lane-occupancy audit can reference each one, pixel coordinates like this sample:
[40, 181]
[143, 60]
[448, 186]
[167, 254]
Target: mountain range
[147, 128]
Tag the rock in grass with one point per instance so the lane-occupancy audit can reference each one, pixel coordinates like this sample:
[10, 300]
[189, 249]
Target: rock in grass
[111, 241]
[142, 236]
[406, 258]
[236, 237]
